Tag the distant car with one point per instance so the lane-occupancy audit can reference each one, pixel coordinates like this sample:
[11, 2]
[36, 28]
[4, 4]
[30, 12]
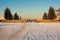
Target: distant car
[30, 20]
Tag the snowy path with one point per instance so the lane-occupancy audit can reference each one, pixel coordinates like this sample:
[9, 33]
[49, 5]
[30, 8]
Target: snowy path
[30, 31]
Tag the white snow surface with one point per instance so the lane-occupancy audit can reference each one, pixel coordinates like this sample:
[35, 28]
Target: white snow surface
[30, 31]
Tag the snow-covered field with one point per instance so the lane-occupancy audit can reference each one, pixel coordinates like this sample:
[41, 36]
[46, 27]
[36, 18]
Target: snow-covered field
[30, 31]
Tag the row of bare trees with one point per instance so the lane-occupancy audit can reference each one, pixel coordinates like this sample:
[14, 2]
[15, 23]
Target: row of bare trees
[9, 16]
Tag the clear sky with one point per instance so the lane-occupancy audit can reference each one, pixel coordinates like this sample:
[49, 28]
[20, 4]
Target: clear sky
[32, 8]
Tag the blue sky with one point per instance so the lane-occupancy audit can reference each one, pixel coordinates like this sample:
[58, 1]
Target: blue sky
[32, 8]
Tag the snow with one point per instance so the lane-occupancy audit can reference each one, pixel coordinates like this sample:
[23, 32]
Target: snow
[30, 31]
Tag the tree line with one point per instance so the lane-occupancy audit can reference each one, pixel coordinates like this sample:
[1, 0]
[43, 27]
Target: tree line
[50, 15]
[9, 16]
[47, 16]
